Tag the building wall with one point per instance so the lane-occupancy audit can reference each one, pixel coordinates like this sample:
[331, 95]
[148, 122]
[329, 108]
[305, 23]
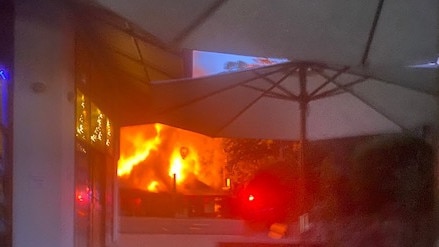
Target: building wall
[43, 120]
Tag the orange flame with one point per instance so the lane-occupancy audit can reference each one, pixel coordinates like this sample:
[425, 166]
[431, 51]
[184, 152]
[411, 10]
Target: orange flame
[183, 165]
[142, 151]
[153, 186]
[163, 151]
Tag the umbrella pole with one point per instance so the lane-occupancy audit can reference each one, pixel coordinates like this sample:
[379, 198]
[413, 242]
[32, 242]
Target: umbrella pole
[303, 104]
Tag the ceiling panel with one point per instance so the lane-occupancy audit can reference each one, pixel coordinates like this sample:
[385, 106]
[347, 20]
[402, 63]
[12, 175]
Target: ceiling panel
[115, 39]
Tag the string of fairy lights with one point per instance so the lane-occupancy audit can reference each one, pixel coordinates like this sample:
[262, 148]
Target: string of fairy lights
[98, 131]
[90, 116]
[109, 130]
[81, 122]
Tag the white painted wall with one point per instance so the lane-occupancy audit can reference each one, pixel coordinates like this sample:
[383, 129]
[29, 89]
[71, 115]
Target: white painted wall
[43, 123]
[194, 232]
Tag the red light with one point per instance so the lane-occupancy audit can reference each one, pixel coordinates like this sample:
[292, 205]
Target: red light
[251, 198]
[80, 198]
[265, 199]
[83, 195]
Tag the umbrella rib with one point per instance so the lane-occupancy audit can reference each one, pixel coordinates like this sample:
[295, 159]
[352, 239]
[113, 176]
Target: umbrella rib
[365, 77]
[218, 91]
[269, 93]
[435, 93]
[199, 21]
[339, 89]
[347, 88]
[263, 94]
[328, 80]
[372, 32]
[273, 94]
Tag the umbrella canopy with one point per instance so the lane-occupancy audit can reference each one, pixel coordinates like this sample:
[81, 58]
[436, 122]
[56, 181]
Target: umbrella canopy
[383, 36]
[377, 38]
[291, 101]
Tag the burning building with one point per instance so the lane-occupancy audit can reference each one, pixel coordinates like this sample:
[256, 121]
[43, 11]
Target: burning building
[159, 158]
[166, 171]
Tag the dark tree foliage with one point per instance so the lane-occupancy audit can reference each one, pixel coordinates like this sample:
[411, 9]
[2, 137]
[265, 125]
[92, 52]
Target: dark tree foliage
[269, 169]
[255, 150]
[245, 157]
[239, 65]
[395, 171]
[391, 188]
[235, 66]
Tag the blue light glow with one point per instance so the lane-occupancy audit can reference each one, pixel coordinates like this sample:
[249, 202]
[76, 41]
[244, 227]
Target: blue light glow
[3, 74]
[4, 96]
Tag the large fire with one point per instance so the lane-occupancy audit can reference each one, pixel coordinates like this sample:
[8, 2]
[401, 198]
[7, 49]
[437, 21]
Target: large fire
[159, 158]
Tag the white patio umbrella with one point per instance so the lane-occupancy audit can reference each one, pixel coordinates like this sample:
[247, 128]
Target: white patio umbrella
[376, 34]
[296, 100]
[377, 37]
[292, 101]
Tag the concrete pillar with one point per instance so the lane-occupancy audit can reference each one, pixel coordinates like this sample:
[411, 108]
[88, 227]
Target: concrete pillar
[43, 125]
